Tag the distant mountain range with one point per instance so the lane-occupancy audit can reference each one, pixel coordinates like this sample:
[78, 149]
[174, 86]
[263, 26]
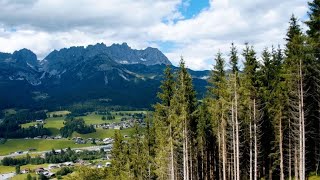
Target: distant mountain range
[116, 73]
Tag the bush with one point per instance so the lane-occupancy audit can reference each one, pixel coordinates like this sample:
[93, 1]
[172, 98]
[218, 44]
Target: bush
[64, 171]
[2, 140]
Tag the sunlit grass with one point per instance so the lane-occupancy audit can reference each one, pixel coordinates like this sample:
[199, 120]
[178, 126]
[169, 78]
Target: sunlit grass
[13, 145]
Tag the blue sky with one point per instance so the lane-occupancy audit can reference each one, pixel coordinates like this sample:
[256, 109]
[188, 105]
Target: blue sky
[191, 8]
[188, 9]
[195, 29]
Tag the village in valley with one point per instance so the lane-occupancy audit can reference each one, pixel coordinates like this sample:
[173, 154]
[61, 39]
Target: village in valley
[98, 143]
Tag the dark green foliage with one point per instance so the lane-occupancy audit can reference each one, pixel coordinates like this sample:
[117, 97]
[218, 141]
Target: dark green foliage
[120, 156]
[53, 157]
[2, 140]
[162, 124]
[29, 177]
[17, 169]
[10, 126]
[25, 116]
[312, 81]
[42, 177]
[250, 69]
[234, 59]
[64, 171]
[75, 125]
[218, 77]
[314, 19]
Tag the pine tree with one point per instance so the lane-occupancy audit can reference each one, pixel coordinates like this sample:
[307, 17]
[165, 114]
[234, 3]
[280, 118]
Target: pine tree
[250, 85]
[295, 65]
[120, 158]
[235, 122]
[219, 98]
[164, 159]
[150, 144]
[206, 142]
[272, 91]
[183, 106]
[138, 155]
[312, 76]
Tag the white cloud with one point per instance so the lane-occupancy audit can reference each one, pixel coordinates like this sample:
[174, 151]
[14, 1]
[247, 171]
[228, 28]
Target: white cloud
[261, 23]
[43, 25]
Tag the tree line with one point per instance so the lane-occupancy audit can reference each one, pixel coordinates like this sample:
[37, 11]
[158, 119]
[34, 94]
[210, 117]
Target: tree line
[10, 126]
[54, 157]
[259, 121]
[72, 124]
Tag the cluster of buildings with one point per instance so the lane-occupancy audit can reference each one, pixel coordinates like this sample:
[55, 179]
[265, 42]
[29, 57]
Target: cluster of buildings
[48, 171]
[45, 137]
[123, 124]
[79, 140]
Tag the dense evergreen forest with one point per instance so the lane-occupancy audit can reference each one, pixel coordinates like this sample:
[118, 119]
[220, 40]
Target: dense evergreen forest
[10, 126]
[259, 122]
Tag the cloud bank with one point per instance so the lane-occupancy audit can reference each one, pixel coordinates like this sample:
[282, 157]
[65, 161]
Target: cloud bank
[44, 25]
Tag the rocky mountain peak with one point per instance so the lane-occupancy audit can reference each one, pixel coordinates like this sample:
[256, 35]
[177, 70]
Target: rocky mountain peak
[25, 56]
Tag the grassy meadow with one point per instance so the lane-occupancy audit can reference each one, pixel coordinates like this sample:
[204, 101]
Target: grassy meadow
[55, 123]
[13, 145]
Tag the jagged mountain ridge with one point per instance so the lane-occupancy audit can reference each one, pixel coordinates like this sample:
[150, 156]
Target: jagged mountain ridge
[78, 74]
[121, 54]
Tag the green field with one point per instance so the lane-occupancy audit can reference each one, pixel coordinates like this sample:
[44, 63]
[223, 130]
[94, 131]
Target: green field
[103, 133]
[6, 169]
[13, 145]
[23, 176]
[56, 123]
[28, 124]
[50, 114]
[93, 118]
[132, 112]
[53, 124]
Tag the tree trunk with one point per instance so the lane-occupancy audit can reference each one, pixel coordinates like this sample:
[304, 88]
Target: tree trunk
[296, 162]
[250, 127]
[289, 152]
[224, 152]
[219, 153]
[171, 155]
[234, 144]
[302, 127]
[191, 170]
[187, 152]
[280, 148]
[184, 155]
[237, 134]
[255, 141]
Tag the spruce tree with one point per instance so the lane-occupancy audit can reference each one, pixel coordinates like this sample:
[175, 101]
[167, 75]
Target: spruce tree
[164, 128]
[234, 86]
[205, 142]
[252, 106]
[120, 166]
[312, 82]
[296, 70]
[220, 107]
[138, 155]
[183, 106]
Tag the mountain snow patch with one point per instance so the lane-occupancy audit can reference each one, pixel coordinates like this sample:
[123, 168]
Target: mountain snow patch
[123, 62]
